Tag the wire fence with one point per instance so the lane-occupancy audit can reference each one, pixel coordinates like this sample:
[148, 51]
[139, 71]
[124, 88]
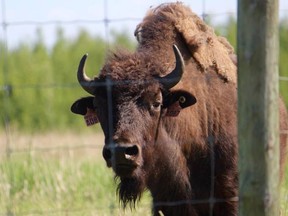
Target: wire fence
[106, 21]
[10, 139]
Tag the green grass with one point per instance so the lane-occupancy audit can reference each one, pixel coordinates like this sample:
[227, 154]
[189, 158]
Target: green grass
[284, 194]
[65, 185]
[32, 185]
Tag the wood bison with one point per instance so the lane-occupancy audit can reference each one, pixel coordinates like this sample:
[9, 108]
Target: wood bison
[171, 127]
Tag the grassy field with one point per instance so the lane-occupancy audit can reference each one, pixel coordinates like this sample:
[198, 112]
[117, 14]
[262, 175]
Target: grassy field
[51, 175]
[32, 185]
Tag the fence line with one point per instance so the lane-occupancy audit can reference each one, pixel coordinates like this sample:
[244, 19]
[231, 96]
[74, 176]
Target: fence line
[8, 88]
[67, 147]
[6, 24]
[176, 203]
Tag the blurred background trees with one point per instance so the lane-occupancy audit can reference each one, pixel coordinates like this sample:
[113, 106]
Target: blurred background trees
[43, 79]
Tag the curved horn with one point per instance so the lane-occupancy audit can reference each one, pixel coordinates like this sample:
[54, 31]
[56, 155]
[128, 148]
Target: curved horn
[174, 77]
[86, 83]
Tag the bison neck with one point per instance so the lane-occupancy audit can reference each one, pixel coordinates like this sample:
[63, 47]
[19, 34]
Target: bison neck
[168, 179]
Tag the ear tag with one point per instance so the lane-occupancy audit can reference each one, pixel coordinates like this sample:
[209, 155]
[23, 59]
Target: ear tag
[174, 109]
[91, 117]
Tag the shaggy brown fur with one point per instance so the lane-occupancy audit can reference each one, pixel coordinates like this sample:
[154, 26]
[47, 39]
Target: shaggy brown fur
[187, 162]
[191, 32]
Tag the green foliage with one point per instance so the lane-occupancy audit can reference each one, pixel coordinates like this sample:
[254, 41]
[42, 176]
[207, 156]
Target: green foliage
[283, 59]
[229, 30]
[43, 79]
[44, 82]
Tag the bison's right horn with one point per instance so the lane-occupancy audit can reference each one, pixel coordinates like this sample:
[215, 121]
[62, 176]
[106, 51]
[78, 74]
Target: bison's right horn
[175, 76]
[86, 83]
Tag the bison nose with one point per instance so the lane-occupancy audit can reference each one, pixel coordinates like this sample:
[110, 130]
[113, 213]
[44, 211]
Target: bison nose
[122, 157]
[125, 153]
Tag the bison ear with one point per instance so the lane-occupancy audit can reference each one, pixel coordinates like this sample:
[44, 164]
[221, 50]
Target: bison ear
[82, 105]
[177, 100]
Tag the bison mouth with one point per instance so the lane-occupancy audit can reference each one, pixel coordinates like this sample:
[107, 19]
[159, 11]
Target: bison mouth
[124, 170]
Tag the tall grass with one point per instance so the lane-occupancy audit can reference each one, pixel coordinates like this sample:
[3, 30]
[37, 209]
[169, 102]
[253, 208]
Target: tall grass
[67, 182]
[284, 194]
[31, 185]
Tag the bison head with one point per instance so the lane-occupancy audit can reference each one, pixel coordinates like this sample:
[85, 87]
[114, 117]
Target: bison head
[130, 99]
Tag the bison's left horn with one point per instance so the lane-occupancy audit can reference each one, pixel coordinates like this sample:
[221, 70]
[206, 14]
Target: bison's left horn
[86, 83]
[174, 77]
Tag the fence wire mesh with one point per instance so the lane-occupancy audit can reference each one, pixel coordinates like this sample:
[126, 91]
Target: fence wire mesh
[75, 155]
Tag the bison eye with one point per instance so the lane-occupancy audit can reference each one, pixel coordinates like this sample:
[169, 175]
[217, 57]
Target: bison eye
[156, 105]
[182, 99]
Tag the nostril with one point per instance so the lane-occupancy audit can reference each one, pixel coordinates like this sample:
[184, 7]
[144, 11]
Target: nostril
[132, 151]
[106, 154]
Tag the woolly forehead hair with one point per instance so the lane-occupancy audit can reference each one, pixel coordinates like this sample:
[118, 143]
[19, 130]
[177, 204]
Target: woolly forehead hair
[123, 65]
[131, 70]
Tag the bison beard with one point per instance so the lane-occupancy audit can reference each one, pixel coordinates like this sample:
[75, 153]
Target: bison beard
[130, 190]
